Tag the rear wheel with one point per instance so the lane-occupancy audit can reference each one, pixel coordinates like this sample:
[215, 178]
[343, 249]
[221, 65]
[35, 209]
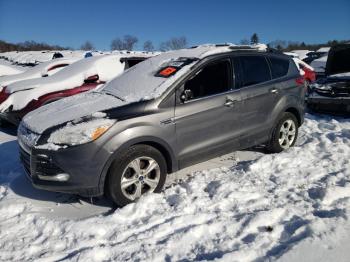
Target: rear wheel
[285, 133]
[139, 170]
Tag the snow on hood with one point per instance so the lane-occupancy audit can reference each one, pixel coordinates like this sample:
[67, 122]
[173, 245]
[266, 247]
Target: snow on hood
[338, 61]
[68, 109]
[34, 72]
[105, 66]
[140, 83]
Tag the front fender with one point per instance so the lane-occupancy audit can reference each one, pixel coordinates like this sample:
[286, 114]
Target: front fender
[136, 135]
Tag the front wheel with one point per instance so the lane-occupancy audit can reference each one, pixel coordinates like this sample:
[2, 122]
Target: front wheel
[139, 170]
[284, 134]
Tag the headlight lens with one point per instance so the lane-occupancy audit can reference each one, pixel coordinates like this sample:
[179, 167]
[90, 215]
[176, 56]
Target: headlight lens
[28, 137]
[81, 133]
[322, 87]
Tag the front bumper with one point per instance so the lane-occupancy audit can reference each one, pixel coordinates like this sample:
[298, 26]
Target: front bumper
[332, 105]
[84, 164]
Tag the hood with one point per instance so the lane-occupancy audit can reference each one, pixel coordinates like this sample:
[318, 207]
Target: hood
[69, 109]
[338, 60]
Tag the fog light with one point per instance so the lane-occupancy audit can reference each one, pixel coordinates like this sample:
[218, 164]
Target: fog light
[59, 177]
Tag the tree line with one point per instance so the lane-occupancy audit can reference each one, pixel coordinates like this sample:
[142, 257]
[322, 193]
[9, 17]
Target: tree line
[129, 42]
[286, 46]
[28, 46]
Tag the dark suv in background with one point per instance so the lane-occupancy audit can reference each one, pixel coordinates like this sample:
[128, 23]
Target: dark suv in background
[166, 113]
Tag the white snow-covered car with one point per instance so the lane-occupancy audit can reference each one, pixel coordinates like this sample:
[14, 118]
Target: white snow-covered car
[42, 70]
[301, 53]
[19, 98]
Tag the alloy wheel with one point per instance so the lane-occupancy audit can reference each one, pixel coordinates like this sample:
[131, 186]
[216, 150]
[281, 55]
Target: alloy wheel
[287, 134]
[141, 176]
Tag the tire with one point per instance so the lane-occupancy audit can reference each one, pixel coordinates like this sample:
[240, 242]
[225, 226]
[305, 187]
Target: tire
[282, 137]
[131, 167]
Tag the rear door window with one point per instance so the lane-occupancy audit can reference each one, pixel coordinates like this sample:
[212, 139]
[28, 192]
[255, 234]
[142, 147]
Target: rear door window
[255, 70]
[279, 67]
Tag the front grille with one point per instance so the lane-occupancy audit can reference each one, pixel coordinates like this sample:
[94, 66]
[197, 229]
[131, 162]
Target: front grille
[38, 164]
[45, 166]
[25, 159]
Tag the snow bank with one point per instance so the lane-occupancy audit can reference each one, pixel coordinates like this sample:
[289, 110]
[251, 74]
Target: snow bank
[301, 53]
[320, 64]
[251, 211]
[7, 69]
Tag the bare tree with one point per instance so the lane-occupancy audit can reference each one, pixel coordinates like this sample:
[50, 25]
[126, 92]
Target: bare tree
[127, 43]
[87, 46]
[148, 46]
[117, 44]
[174, 44]
[254, 39]
[130, 42]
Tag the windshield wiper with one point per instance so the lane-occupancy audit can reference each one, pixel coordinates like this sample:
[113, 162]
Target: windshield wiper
[111, 94]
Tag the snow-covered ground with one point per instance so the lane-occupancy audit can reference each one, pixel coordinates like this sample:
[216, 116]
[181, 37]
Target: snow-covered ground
[6, 68]
[245, 206]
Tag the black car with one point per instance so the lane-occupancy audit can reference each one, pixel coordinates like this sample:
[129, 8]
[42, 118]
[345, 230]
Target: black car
[332, 93]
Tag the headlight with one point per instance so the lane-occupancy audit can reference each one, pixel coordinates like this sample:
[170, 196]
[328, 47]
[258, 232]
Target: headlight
[28, 137]
[81, 133]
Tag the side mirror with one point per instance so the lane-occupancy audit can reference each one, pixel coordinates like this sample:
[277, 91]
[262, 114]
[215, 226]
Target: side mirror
[186, 95]
[91, 79]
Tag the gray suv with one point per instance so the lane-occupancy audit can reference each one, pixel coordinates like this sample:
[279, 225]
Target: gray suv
[166, 113]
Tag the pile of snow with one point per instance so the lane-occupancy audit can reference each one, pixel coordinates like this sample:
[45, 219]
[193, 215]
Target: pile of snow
[6, 68]
[320, 64]
[253, 210]
[37, 57]
[324, 49]
[301, 53]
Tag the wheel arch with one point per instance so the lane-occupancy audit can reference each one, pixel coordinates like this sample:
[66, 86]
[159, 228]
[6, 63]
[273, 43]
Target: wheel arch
[155, 142]
[296, 113]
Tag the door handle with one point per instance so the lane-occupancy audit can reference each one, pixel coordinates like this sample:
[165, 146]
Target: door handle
[229, 102]
[274, 90]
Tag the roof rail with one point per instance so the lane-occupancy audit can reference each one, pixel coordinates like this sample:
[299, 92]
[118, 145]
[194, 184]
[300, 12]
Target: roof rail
[258, 47]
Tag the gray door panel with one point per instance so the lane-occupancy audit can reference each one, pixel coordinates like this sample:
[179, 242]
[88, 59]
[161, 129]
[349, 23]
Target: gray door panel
[207, 124]
[257, 105]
